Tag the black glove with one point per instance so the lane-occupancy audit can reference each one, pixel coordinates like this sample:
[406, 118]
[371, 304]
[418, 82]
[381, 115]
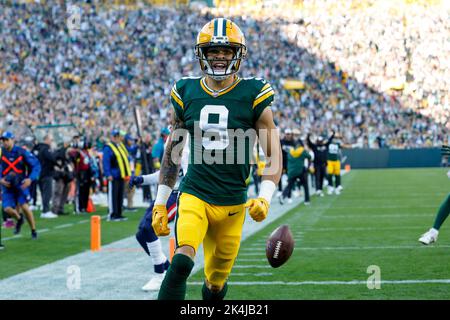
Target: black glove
[136, 181]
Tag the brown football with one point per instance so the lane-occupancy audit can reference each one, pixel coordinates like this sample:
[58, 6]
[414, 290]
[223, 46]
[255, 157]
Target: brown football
[279, 246]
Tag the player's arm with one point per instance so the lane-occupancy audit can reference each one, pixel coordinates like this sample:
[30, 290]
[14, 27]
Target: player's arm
[35, 166]
[170, 166]
[171, 161]
[309, 142]
[270, 143]
[330, 138]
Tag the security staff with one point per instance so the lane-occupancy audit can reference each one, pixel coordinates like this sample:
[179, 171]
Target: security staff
[117, 171]
[18, 168]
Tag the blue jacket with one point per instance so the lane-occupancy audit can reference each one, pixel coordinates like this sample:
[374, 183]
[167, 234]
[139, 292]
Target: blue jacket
[27, 167]
[110, 164]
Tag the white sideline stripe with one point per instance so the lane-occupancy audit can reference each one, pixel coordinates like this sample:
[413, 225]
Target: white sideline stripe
[373, 207]
[13, 237]
[327, 283]
[364, 229]
[244, 274]
[248, 260]
[62, 226]
[261, 251]
[359, 216]
[251, 266]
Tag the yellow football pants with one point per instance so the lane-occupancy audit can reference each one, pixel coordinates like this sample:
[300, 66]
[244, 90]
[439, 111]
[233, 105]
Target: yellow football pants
[334, 167]
[218, 227]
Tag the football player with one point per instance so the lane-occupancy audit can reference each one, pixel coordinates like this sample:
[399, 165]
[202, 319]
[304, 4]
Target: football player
[334, 164]
[215, 109]
[444, 210]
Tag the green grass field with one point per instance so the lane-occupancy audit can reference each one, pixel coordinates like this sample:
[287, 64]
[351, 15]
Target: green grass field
[375, 221]
[58, 238]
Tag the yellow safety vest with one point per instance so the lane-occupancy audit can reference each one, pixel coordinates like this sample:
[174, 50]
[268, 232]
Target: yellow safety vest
[121, 154]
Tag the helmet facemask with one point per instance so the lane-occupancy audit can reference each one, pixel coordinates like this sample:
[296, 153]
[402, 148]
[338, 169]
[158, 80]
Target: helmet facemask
[231, 66]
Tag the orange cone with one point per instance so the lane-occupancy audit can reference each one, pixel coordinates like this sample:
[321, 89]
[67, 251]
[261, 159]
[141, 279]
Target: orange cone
[90, 206]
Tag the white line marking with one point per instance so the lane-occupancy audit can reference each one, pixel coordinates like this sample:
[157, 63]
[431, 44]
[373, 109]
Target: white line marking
[357, 216]
[372, 207]
[364, 229]
[62, 226]
[13, 237]
[247, 260]
[260, 274]
[83, 221]
[261, 251]
[327, 283]
[43, 230]
[250, 266]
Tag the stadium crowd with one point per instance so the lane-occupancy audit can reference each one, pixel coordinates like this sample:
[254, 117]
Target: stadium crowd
[94, 73]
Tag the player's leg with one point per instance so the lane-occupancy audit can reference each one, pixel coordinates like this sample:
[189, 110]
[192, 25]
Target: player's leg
[320, 176]
[337, 177]
[287, 192]
[191, 225]
[443, 213]
[22, 201]
[221, 247]
[305, 184]
[330, 172]
[432, 235]
[30, 218]
[9, 203]
[151, 244]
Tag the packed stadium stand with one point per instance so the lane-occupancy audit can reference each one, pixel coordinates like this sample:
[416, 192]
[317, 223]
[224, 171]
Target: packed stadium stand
[370, 70]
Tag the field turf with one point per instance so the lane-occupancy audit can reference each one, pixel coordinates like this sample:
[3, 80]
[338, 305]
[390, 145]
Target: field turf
[373, 225]
[376, 221]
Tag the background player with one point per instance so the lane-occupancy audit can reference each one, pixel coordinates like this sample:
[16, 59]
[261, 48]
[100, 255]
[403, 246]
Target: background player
[146, 235]
[444, 210]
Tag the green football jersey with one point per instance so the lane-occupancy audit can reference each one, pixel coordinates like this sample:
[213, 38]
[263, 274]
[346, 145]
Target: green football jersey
[221, 126]
[334, 151]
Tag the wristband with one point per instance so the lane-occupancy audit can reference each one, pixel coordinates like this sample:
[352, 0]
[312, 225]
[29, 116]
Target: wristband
[152, 178]
[268, 187]
[163, 194]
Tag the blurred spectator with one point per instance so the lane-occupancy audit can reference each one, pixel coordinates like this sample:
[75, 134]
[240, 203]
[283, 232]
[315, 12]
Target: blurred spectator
[374, 71]
[63, 176]
[47, 160]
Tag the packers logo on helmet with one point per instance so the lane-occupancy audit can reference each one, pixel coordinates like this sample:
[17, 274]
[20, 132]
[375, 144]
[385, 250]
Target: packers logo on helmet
[220, 32]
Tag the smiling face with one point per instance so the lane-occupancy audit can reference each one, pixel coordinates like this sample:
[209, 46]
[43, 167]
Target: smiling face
[219, 58]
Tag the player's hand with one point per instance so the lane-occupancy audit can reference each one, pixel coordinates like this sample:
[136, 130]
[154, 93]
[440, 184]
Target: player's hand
[445, 150]
[5, 183]
[257, 208]
[26, 183]
[160, 220]
[136, 181]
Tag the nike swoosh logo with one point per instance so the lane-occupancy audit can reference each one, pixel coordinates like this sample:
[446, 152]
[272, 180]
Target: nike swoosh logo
[232, 213]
